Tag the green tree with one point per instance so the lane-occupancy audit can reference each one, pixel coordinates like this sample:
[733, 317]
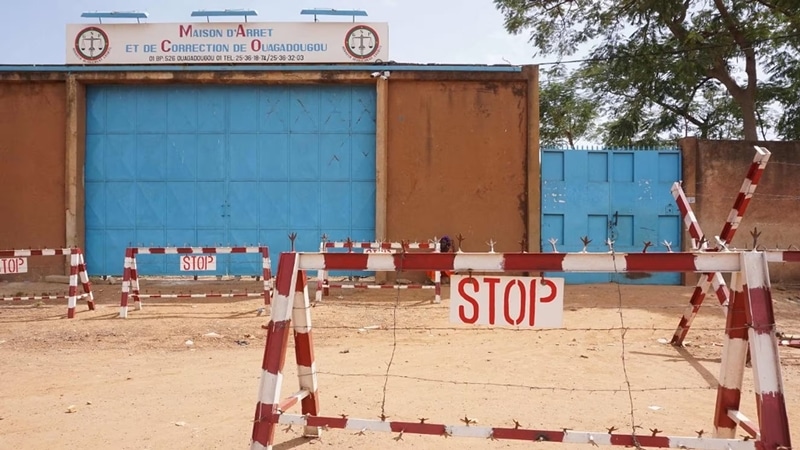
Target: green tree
[671, 67]
[566, 114]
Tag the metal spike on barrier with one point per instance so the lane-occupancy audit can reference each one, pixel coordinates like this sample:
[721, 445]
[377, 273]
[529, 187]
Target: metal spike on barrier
[491, 245]
[755, 234]
[460, 239]
[586, 241]
[292, 237]
[667, 244]
[721, 244]
[348, 244]
[523, 245]
[646, 245]
[553, 242]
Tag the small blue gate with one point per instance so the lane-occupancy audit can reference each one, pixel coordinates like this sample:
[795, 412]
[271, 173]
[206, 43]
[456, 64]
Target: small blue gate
[619, 194]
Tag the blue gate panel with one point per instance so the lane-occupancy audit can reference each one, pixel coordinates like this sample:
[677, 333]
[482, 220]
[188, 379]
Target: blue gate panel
[363, 211]
[598, 164]
[618, 194]
[209, 158]
[243, 151]
[554, 162]
[274, 163]
[151, 111]
[669, 168]
[304, 158]
[226, 165]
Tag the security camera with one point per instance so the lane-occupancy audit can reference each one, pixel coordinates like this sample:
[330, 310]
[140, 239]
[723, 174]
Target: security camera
[385, 75]
[375, 74]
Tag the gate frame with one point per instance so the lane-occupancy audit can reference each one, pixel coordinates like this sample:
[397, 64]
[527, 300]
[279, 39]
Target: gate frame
[751, 324]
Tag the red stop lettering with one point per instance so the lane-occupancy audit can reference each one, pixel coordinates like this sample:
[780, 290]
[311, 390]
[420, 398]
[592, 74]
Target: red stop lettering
[474, 303]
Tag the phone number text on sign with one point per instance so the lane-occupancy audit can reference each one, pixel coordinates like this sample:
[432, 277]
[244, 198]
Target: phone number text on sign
[519, 302]
[196, 263]
[13, 265]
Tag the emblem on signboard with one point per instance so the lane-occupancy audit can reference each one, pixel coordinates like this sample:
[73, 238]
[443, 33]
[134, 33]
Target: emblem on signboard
[91, 44]
[361, 42]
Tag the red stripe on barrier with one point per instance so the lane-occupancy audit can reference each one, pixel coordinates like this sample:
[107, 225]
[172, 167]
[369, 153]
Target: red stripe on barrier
[303, 350]
[791, 256]
[346, 261]
[264, 423]
[418, 428]
[774, 433]
[726, 399]
[333, 422]
[763, 319]
[275, 354]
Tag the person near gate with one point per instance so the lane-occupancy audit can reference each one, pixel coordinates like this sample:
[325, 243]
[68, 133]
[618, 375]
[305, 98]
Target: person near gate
[445, 246]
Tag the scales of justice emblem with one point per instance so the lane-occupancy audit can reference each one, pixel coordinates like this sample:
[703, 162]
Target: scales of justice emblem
[91, 44]
[361, 42]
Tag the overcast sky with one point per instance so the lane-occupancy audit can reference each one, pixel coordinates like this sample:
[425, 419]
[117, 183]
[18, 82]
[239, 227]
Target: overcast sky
[420, 31]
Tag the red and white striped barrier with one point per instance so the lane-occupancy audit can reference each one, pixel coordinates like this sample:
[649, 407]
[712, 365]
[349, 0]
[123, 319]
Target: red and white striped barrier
[515, 433]
[715, 280]
[291, 303]
[752, 302]
[16, 261]
[324, 285]
[706, 281]
[130, 276]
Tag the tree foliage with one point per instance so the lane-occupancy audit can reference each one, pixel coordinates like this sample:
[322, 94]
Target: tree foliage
[668, 68]
[566, 116]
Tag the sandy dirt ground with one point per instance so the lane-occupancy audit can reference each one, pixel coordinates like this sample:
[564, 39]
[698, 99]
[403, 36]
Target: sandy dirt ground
[100, 382]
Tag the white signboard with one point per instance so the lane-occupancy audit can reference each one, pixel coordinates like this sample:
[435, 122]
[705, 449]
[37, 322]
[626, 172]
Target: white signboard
[197, 263]
[17, 264]
[518, 302]
[227, 43]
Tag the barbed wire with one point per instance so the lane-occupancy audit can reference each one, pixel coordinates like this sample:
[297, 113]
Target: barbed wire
[519, 330]
[517, 386]
[425, 303]
[622, 345]
[394, 344]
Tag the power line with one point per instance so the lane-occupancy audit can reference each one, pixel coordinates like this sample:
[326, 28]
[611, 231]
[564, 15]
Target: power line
[665, 52]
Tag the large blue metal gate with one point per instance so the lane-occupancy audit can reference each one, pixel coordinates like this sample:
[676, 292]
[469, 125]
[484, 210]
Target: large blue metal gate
[226, 165]
[623, 195]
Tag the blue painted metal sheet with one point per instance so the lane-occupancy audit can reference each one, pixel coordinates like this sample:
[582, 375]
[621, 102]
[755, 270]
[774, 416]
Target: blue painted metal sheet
[235, 165]
[623, 195]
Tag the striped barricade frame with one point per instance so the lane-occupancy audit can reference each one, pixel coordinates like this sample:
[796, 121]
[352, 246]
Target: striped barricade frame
[77, 271]
[130, 276]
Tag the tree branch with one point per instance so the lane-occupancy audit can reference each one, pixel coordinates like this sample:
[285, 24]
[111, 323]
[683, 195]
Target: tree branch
[774, 7]
[679, 111]
[747, 47]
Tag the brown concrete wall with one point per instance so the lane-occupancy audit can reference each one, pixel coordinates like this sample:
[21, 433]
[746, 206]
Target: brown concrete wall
[32, 143]
[457, 162]
[713, 174]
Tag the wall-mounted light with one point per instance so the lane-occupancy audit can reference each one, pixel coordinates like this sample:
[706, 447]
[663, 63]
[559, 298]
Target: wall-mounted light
[208, 14]
[100, 15]
[333, 12]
